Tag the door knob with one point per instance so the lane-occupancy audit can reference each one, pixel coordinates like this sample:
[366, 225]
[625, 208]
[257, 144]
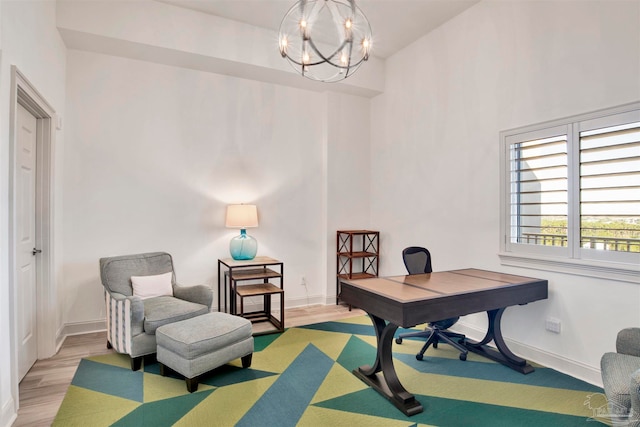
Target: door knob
[36, 251]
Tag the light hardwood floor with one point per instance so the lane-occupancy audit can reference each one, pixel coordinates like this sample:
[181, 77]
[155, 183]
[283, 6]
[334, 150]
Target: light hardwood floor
[44, 386]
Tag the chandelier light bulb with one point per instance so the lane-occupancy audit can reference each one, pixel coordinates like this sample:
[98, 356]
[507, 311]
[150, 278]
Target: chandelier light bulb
[317, 38]
[283, 46]
[366, 46]
[347, 28]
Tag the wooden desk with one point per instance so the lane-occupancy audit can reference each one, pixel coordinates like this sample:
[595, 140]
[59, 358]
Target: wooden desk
[408, 301]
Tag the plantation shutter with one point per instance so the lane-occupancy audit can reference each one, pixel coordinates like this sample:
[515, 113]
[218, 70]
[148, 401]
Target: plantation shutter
[610, 188]
[539, 191]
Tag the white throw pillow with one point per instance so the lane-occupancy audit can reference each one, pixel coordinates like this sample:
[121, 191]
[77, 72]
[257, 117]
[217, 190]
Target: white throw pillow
[152, 286]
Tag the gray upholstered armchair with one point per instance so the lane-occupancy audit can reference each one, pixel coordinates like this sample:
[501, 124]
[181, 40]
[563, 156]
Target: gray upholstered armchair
[137, 307]
[621, 379]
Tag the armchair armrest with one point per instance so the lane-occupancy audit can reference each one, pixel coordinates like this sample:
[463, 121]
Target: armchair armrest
[634, 394]
[125, 319]
[200, 294]
[628, 341]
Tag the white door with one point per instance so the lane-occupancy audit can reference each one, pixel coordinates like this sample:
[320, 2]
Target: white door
[26, 240]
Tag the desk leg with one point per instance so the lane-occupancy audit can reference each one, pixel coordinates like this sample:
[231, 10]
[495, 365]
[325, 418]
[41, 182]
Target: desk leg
[503, 355]
[387, 384]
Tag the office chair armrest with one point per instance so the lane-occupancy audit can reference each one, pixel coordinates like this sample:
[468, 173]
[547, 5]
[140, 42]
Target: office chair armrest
[628, 341]
[200, 294]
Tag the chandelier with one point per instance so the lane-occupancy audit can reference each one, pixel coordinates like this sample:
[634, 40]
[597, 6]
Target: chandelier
[325, 40]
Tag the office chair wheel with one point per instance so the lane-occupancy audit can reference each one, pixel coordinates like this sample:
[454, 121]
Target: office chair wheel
[419, 356]
[463, 357]
[435, 344]
[398, 340]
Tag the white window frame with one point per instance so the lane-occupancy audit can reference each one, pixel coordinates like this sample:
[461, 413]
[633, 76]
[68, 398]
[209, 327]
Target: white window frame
[571, 259]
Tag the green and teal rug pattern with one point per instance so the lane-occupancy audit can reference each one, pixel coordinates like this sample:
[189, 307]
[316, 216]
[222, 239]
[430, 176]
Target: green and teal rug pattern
[302, 377]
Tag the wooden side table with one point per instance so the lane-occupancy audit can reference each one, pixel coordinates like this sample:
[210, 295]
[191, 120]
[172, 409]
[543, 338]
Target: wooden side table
[261, 276]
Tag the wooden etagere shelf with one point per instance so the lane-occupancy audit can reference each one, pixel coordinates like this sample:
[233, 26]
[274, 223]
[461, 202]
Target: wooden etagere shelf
[357, 255]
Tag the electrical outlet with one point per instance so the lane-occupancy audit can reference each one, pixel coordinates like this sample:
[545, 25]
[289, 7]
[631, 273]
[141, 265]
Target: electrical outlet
[303, 281]
[553, 325]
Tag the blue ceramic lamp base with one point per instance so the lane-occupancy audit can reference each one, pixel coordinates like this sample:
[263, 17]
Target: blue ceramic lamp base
[243, 247]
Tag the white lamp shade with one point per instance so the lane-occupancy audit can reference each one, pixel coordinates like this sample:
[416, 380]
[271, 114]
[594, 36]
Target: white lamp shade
[241, 216]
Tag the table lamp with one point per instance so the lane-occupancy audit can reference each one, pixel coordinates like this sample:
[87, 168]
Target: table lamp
[242, 247]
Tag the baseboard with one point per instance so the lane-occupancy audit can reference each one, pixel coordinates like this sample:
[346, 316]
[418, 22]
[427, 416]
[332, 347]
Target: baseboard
[570, 367]
[60, 336]
[304, 301]
[330, 300]
[9, 413]
[100, 325]
[255, 303]
[83, 328]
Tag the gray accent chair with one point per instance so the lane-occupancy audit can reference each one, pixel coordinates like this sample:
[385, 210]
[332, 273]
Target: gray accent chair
[132, 321]
[621, 379]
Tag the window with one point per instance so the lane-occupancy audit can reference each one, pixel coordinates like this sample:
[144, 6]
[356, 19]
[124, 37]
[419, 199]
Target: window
[571, 194]
[538, 191]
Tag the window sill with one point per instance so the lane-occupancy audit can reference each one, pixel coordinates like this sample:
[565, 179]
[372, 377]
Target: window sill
[604, 270]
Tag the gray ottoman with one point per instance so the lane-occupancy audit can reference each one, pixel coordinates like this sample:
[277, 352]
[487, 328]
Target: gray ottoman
[198, 345]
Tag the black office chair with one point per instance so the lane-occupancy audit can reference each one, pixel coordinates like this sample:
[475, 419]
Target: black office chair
[417, 260]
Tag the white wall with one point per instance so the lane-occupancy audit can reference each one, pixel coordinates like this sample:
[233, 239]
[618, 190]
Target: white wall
[435, 161]
[308, 132]
[157, 32]
[348, 173]
[154, 155]
[31, 42]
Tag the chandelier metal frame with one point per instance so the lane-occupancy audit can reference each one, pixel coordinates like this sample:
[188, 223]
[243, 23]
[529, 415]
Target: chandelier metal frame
[315, 59]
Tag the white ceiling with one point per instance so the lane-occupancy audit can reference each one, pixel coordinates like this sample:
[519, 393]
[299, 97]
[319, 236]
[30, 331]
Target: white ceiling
[394, 23]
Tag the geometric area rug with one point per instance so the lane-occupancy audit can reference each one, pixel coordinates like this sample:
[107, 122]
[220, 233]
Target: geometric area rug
[303, 377]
